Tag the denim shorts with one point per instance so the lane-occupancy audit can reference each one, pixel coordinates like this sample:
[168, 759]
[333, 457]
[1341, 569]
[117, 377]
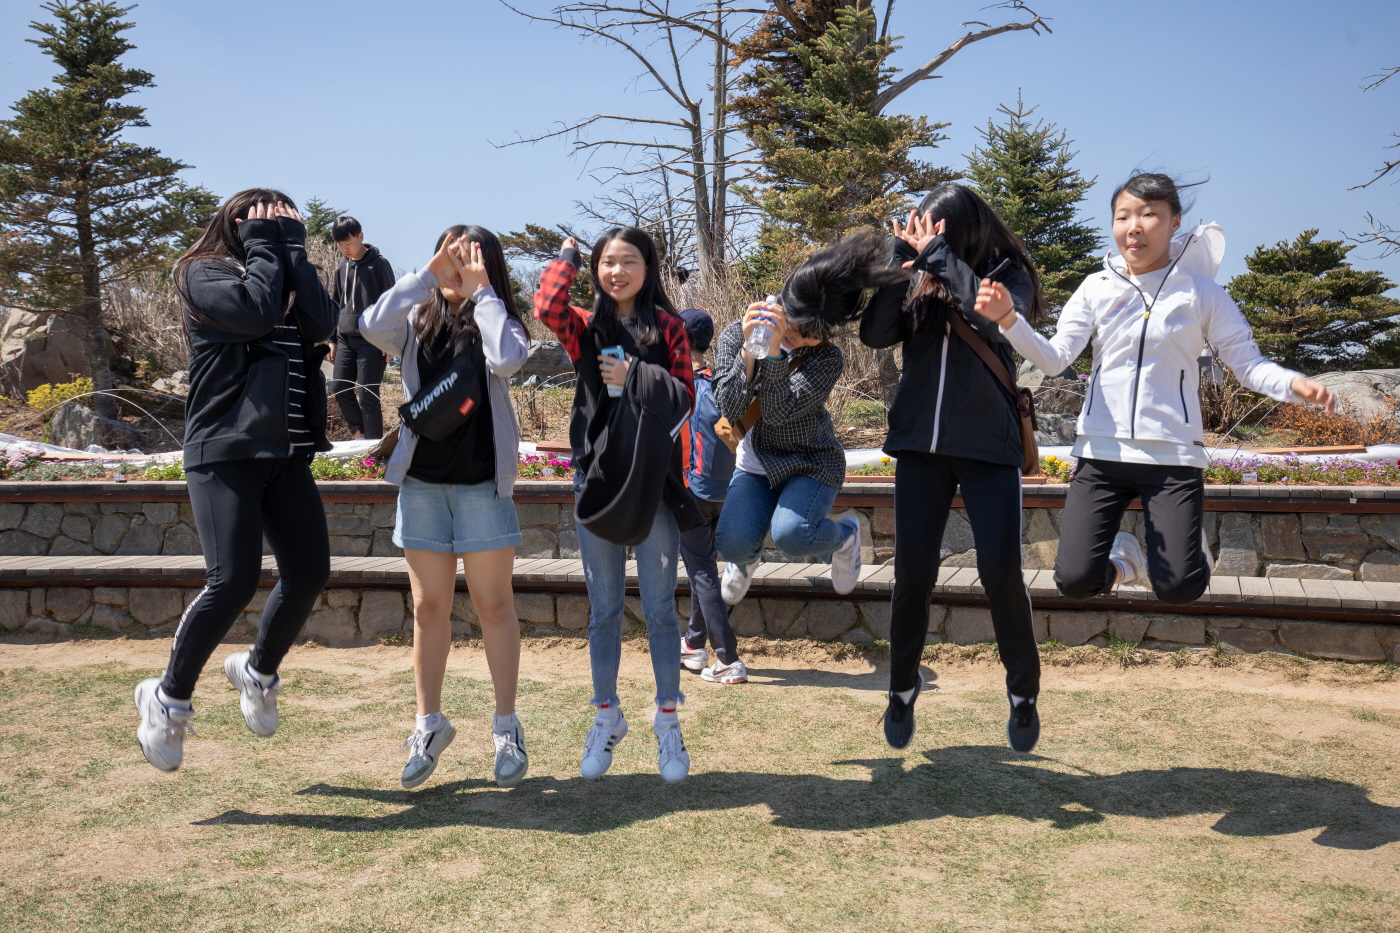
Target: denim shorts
[452, 518]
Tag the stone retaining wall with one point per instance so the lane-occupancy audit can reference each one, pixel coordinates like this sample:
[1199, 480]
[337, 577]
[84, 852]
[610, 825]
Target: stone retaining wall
[349, 616]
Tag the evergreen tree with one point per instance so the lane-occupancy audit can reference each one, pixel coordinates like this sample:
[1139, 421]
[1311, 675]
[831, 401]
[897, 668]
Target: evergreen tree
[1025, 172]
[320, 217]
[1311, 311]
[837, 164]
[541, 244]
[81, 207]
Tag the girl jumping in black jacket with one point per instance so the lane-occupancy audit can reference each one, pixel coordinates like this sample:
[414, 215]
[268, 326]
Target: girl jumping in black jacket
[954, 426]
[256, 317]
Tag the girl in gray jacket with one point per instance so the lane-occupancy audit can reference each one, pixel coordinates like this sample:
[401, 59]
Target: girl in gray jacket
[455, 493]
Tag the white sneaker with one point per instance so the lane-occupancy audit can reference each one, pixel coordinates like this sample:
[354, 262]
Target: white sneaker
[735, 582]
[259, 703]
[694, 659]
[511, 760]
[161, 734]
[672, 760]
[845, 562]
[1128, 552]
[723, 673]
[424, 749]
[598, 745]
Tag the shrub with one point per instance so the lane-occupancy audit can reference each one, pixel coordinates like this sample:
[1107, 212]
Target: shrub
[327, 467]
[171, 470]
[867, 413]
[1313, 427]
[1056, 469]
[884, 468]
[46, 398]
[533, 466]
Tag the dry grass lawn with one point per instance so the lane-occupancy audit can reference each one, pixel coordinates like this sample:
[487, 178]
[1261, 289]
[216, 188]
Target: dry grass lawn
[1259, 797]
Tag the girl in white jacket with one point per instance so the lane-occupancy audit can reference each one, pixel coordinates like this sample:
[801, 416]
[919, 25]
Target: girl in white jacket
[1149, 314]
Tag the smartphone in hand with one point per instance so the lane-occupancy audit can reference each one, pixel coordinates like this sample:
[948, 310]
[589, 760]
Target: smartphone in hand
[616, 353]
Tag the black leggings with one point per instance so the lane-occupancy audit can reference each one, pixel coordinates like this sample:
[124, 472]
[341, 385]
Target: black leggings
[235, 504]
[359, 361]
[1173, 505]
[924, 485]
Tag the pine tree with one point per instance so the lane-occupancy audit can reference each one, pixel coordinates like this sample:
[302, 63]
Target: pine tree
[541, 244]
[1025, 172]
[320, 217]
[835, 163]
[1313, 312]
[81, 207]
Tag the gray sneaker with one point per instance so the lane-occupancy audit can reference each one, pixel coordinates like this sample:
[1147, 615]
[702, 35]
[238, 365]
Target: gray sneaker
[424, 747]
[511, 760]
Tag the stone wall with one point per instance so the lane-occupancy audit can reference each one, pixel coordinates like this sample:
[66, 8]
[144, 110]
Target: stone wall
[352, 616]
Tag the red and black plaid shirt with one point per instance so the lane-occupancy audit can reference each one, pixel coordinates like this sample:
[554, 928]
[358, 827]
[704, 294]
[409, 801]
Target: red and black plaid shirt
[568, 322]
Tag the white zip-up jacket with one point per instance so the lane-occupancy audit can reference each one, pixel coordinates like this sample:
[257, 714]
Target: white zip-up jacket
[1143, 401]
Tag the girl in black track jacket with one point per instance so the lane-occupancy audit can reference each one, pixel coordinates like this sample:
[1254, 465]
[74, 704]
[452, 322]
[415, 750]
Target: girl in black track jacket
[953, 426]
[256, 316]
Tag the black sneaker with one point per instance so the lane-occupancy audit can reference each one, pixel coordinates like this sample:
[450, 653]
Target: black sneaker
[1023, 728]
[899, 717]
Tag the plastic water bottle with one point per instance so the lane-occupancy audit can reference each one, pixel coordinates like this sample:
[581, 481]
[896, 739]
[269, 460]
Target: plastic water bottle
[760, 337]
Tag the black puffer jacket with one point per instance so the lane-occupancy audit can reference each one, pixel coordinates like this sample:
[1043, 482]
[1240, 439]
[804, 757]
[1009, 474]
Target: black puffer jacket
[948, 402]
[237, 405]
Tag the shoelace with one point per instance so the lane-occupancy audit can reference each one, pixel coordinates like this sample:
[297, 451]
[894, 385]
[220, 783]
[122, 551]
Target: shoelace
[506, 745]
[417, 744]
[669, 740]
[175, 725]
[597, 737]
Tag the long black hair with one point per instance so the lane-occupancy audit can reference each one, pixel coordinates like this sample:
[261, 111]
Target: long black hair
[828, 290]
[651, 298]
[220, 242]
[977, 236]
[436, 313]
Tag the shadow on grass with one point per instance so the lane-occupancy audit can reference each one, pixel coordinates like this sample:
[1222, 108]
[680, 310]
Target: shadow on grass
[963, 781]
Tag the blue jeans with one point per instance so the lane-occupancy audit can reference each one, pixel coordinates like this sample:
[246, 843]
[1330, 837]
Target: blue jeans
[796, 511]
[605, 568]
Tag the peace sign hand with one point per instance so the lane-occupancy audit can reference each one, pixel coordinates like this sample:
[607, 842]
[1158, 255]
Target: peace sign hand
[471, 268]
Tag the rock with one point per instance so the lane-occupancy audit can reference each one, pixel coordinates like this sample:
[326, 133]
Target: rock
[1040, 626]
[1280, 536]
[77, 527]
[11, 514]
[36, 602]
[43, 519]
[111, 617]
[383, 515]
[343, 524]
[1381, 567]
[384, 545]
[747, 619]
[142, 538]
[40, 349]
[1332, 640]
[937, 619]
[780, 616]
[1057, 396]
[65, 546]
[537, 608]
[181, 539]
[155, 605]
[883, 522]
[1334, 544]
[1237, 557]
[957, 535]
[537, 542]
[568, 545]
[108, 532]
[1366, 393]
[1308, 572]
[537, 513]
[1248, 640]
[335, 627]
[13, 611]
[1178, 629]
[340, 597]
[22, 544]
[381, 612]
[1129, 627]
[1076, 628]
[1383, 526]
[1042, 540]
[876, 616]
[828, 619]
[858, 636]
[1054, 430]
[572, 611]
[79, 427]
[256, 604]
[349, 546]
[969, 625]
[109, 595]
[161, 513]
[547, 359]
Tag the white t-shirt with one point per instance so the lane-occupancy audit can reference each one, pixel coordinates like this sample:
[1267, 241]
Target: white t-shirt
[746, 458]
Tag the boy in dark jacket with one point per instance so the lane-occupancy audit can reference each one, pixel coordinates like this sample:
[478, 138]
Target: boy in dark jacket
[362, 276]
[709, 467]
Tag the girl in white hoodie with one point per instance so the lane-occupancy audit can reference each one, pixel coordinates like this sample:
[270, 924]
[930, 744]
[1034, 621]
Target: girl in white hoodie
[1149, 315]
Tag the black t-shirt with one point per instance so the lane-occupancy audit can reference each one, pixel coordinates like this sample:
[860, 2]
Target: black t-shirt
[468, 454]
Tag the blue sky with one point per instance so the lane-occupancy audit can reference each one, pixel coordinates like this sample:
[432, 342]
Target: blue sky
[390, 110]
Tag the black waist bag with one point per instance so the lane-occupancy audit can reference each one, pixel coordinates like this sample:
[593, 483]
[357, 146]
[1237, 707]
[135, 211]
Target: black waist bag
[446, 403]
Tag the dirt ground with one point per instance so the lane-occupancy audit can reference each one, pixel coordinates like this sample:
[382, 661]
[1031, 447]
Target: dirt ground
[1259, 796]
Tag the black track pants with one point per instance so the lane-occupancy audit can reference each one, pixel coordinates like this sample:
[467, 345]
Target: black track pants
[359, 361]
[924, 485]
[709, 616]
[235, 504]
[1173, 505]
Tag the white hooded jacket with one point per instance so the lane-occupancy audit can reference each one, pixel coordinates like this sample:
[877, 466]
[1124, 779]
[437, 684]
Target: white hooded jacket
[1143, 400]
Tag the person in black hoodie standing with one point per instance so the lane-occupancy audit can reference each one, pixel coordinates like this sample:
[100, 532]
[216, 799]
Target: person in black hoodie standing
[954, 427]
[360, 278]
[256, 317]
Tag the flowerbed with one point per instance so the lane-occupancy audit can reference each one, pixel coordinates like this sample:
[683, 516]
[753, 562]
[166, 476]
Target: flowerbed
[1334, 471]
[542, 466]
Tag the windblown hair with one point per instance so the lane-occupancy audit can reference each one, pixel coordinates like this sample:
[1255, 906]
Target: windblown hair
[1154, 186]
[976, 235]
[220, 242]
[433, 315]
[652, 297]
[828, 291]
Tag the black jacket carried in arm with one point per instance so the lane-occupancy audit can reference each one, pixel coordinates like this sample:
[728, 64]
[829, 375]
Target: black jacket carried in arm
[357, 285]
[237, 404]
[631, 461]
[948, 402]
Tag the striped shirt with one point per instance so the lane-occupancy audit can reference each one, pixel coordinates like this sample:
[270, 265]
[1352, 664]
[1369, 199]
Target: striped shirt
[286, 336]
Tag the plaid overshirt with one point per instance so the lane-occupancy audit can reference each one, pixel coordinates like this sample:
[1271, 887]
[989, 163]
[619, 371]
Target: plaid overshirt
[568, 322]
[794, 436]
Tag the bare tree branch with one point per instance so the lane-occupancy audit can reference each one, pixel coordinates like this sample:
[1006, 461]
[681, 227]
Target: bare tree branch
[1379, 79]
